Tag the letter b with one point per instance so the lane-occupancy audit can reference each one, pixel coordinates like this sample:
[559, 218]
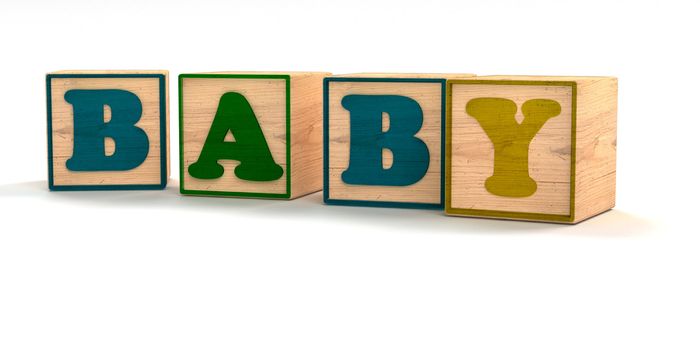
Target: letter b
[367, 141]
[90, 130]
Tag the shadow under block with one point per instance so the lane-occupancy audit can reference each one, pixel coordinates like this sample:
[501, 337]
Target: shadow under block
[383, 139]
[531, 148]
[251, 134]
[107, 130]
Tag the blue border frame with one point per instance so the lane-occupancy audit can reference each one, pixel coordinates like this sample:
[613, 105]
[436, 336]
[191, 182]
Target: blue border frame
[366, 203]
[163, 135]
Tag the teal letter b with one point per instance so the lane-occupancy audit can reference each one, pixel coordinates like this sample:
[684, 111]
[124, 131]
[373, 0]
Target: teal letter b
[367, 141]
[90, 130]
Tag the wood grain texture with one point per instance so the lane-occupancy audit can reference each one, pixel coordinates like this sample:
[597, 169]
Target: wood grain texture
[596, 147]
[292, 74]
[428, 94]
[407, 75]
[552, 158]
[110, 71]
[200, 100]
[473, 153]
[307, 132]
[149, 93]
[267, 94]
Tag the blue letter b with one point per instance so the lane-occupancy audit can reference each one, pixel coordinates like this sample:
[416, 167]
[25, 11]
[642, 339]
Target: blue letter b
[90, 130]
[367, 141]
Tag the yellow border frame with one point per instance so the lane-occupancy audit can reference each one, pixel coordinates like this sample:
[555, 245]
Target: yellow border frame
[508, 214]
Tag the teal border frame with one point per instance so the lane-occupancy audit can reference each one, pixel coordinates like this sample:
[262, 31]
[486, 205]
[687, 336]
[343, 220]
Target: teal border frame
[288, 170]
[163, 134]
[367, 203]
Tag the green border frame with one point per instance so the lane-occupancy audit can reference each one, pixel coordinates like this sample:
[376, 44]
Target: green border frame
[288, 171]
[509, 214]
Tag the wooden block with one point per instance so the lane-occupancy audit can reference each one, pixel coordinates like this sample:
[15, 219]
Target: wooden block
[531, 148]
[383, 139]
[107, 130]
[251, 134]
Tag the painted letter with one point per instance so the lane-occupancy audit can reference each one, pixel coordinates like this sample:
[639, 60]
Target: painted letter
[235, 115]
[367, 141]
[511, 141]
[90, 130]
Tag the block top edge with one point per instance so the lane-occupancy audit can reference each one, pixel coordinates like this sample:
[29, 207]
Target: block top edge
[116, 71]
[408, 75]
[542, 77]
[290, 73]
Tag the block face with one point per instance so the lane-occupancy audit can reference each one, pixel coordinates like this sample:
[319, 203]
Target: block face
[107, 131]
[412, 113]
[511, 149]
[204, 97]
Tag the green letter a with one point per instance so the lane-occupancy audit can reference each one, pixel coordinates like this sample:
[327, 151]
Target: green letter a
[250, 148]
[511, 141]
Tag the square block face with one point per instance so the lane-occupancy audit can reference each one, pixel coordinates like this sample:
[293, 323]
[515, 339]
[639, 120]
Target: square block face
[128, 114]
[510, 149]
[201, 98]
[399, 132]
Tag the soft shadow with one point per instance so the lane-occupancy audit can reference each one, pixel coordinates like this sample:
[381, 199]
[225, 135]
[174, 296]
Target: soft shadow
[614, 223]
[168, 198]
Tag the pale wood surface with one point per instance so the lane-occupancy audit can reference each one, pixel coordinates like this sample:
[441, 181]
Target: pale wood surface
[148, 91]
[268, 99]
[596, 142]
[292, 74]
[542, 78]
[118, 71]
[429, 96]
[409, 75]
[550, 152]
[167, 124]
[307, 132]
[200, 101]
[596, 145]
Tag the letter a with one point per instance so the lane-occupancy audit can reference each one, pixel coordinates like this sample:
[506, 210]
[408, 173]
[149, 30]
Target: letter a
[511, 141]
[235, 115]
[367, 141]
[90, 130]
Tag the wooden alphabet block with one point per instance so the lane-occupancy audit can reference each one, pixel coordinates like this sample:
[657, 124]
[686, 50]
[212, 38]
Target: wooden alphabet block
[531, 148]
[248, 134]
[107, 130]
[383, 139]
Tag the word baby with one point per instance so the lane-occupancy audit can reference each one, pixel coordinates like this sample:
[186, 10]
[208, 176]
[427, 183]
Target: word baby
[516, 147]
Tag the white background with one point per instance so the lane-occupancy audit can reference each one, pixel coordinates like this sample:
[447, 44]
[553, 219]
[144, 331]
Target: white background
[155, 270]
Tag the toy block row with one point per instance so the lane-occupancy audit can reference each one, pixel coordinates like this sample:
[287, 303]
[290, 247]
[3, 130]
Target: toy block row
[241, 134]
[512, 147]
[531, 148]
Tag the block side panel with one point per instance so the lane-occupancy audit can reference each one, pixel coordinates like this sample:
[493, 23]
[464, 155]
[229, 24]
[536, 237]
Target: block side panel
[307, 133]
[167, 125]
[596, 148]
